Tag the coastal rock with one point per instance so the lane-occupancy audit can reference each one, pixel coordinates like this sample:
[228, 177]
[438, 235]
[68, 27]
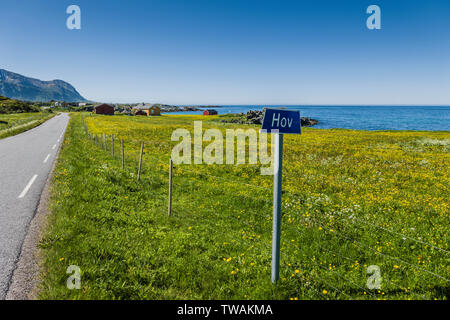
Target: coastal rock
[168, 108]
[255, 117]
[308, 122]
[191, 109]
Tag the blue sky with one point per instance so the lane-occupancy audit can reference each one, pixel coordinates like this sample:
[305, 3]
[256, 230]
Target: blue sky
[235, 52]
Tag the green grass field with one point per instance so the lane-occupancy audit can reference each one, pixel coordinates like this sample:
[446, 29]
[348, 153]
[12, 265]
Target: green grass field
[352, 199]
[12, 124]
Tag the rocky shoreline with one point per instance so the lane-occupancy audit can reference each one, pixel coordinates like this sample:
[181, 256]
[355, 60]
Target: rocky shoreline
[179, 109]
[257, 117]
[167, 108]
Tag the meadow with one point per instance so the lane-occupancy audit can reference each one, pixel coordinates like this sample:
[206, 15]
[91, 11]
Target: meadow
[351, 200]
[15, 123]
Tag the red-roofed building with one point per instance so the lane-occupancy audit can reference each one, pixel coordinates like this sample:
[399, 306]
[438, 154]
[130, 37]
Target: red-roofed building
[104, 109]
[210, 112]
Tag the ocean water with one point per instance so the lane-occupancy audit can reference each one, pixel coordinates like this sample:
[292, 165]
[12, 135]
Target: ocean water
[364, 117]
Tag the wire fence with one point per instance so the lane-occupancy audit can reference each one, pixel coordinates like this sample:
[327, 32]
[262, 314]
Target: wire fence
[332, 255]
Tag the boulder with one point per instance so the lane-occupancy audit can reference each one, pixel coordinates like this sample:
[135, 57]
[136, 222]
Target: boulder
[308, 122]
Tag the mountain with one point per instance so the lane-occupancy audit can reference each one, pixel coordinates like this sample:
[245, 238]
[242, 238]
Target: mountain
[16, 86]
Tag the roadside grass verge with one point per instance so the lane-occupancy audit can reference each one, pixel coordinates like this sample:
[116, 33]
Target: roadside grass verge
[352, 199]
[13, 124]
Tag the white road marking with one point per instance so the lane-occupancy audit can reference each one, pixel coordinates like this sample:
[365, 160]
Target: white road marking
[24, 192]
[46, 159]
[54, 146]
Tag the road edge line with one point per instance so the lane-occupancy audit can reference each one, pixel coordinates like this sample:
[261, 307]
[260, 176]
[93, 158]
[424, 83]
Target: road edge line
[25, 279]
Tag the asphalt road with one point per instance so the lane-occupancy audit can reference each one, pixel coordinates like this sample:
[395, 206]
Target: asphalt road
[25, 163]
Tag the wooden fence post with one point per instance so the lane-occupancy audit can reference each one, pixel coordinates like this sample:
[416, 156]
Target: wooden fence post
[170, 187]
[123, 155]
[112, 149]
[140, 162]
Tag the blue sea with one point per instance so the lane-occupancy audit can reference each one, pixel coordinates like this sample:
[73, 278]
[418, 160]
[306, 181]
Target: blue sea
[364, 117]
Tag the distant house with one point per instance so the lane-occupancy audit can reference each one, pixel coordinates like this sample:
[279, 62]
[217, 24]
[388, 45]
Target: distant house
[148, 109]
[142, 106]
[210, 112]
[104, 109]
[82, 104]
[60, 104]
[140, 113]
[153, 111]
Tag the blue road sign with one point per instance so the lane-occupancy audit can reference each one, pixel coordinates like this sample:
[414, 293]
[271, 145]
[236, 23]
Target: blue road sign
[279, 122]
[285, 121]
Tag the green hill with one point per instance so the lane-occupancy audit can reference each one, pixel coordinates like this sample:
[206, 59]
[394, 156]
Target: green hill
[16, 106]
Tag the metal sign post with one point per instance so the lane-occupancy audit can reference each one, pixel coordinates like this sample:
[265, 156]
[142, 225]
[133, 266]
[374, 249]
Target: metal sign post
[277, 180]
[279, 122]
